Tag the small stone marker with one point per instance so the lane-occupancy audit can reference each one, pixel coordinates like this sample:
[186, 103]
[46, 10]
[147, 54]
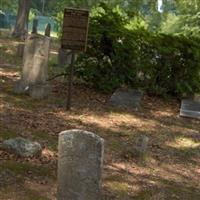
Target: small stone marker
[35, 67]
[190, 108]
[64, 57]
[142, 144]
[80, 163]
[35, 25]
[20, 49]
[126, 98]
[48, 30]
[22, 147]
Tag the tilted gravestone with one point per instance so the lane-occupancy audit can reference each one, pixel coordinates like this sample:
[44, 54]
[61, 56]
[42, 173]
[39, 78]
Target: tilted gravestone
[48, 30]
[80, 163]
[126, 98]
[190, 108]
[35, 67]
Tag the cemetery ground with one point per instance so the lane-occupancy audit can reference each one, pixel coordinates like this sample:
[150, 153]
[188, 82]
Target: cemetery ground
[169, 169]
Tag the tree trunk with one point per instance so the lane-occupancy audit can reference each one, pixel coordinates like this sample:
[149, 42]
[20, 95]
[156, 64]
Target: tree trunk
[21, 26]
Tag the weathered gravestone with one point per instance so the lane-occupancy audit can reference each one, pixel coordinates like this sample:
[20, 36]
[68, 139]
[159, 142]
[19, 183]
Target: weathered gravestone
[190, 108]
[141, 144]
[126, 98]
[35, 67]
[80, 163]
[22, 147]
[64, 57]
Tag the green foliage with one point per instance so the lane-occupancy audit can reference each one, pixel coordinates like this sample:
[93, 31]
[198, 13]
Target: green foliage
[116, 56]
[10, 5]
[187, 25]
[59, 23]
[33, 13]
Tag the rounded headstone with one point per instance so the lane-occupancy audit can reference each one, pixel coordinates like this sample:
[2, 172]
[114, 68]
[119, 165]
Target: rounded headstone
[80, 160]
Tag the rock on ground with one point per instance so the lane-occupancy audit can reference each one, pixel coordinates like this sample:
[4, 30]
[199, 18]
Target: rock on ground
[22, 147]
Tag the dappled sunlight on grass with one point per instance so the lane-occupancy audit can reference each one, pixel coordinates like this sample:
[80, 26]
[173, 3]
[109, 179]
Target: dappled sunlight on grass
[169, 169]
[184, 143]
[122, 189]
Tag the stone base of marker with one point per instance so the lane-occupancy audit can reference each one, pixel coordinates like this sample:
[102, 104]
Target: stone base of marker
[20, 87]
[36, 91]
[39, 91]
[80, 164]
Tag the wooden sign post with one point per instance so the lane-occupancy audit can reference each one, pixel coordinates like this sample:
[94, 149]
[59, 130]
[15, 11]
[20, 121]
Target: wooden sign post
[74, 37]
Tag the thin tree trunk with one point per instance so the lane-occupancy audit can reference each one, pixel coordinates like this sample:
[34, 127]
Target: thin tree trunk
[21, 26]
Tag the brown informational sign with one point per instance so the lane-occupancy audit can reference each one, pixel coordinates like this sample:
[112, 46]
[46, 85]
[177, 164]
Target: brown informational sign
[75, 29]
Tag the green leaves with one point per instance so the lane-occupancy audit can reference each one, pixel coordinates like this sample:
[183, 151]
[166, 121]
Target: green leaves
[118, 55]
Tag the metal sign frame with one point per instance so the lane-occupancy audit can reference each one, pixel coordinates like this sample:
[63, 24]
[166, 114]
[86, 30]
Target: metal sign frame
[74, 38]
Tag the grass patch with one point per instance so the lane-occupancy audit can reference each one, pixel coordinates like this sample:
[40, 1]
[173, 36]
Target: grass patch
[33, 195]
[51, 141]
[22, 169]
[6, 133]
[11, 193]
[121, 188]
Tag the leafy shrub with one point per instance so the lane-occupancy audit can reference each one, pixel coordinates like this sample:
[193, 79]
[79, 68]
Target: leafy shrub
[117, 55]
[59, 23]
[187, 25]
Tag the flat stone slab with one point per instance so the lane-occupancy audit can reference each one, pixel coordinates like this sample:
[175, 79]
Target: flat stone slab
[190, 108]
[22, 147]
[126, 98]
